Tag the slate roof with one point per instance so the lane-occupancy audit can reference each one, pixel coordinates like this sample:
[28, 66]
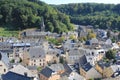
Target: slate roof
[21, 45]
[36, 52]
[82, 60]
[68, 70]
[57, 67]
[94, 40]
[32, 33]
[103, 64]
[46, 72]
[87, 67]
[76, 52]
[14, 76]
[5, 44]
[32, 67]
[19, 69]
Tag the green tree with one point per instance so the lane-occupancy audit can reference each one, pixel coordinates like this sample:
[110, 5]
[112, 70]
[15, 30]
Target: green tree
[110, 54]
[87, 14]
[28, 13]
[91, 35]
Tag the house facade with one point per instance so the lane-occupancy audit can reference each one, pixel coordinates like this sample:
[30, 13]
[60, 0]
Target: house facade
[4, 63]
[89, 72]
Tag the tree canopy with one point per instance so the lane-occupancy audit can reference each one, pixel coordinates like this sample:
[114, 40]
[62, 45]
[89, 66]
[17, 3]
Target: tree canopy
[110, 54]
[22, 14]
[104, 16]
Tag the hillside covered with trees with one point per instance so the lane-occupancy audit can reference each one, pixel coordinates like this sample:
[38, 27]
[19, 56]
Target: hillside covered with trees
[105, 16]
[23, 14]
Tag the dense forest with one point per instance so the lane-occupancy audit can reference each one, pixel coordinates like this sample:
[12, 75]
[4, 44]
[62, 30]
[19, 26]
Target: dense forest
[22, 14]
[105, 16]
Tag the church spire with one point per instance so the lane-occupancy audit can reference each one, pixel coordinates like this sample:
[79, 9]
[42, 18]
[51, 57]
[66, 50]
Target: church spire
[42, 26]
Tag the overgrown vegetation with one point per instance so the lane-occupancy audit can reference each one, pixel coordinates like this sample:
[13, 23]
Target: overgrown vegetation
[110, 54]
[104, 16]
[22, 14]
[7, 33]
[54, 41]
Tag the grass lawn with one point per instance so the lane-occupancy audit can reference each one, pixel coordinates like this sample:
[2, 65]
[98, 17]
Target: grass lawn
[7, 33]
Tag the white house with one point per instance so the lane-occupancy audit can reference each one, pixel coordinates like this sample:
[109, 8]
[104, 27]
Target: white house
[94, 55]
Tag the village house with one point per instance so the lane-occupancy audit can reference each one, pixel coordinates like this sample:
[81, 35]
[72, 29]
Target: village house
[33, 70]
[68, 44]
[73, 55]
[4, 63]
[4, 46]
[108, 69]
[48, 74]
[75, 76]
[101, 66]
[37, 56]
[89, 72]
[52, 56]
[94, 55]
[20, 69]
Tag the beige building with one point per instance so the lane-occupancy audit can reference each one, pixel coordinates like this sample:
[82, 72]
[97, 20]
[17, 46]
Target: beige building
[52, 56]
[37, 57]
[89, 72]
[106, 69]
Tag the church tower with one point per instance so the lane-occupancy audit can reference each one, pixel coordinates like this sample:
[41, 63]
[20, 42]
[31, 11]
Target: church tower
[42, 26]
[79, 31]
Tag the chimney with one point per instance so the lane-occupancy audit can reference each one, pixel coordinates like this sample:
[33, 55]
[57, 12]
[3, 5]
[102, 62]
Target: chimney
[25, 74]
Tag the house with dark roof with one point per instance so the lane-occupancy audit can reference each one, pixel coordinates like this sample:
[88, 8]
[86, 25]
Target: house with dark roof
[108, 69]
[14, 76]
[67, 71]
[48, 74]
[101, 66]
[87, 69]
[59, 68]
